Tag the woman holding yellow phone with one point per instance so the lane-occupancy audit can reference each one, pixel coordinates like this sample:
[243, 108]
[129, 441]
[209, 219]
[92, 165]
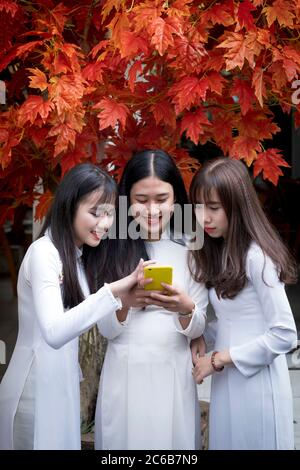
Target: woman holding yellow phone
[147, 397]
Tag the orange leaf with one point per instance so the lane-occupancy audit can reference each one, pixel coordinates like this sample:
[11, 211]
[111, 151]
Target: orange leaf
[134, 71]
[163, 112]
[179, 8]
[279, 78]
[240, 47]
[145, 15]
[192, 123]
[44, 203]
[59, 13]
[111, 112]
[9, 7]
[66, 91]
[131, 44]
[33, 106]
[216, 82]
[187, 92]
[256, 125]
[219, 13]
[108, 6]
[222, 131]
[244, 15]
[243, 90]
[187, 52]
[71, 159]
[162, 35]
[101, 45]
[118, 25]
[25, 48]
[93, 72]
[291, 69]
[280, 10]
[61, 63]
[245, 148]
[269, 162]
[38, 135]
[38, 79]
[259, 86]
[65, 136]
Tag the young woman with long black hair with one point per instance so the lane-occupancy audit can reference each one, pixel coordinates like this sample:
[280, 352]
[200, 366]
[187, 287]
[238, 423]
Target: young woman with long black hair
[39, 394]
[147, 397]
[244, 264]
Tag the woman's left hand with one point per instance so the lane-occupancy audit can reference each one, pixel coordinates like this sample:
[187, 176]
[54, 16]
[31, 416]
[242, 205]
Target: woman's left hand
[172, 298]
[202, 369]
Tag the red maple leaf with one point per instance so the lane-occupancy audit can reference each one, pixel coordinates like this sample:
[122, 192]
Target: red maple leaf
[93, 72]
[25, 48]
[220, 13]
[216, 82]
[245, 148]
[192, 123]
[71, 159]
[240, 47]
[244, 15]
[255, 124]
[259, 85]
[32, 107]
[162, 35]
[65, 136]
[244, 92]
[111, 112]
[132, 44]
[134, 71]
[66, 91]
[163, 111]
[188, 91]
[279, 10]
[9, 7]
[44, 203]
[38, 79]
[269, 162]
[38, 135]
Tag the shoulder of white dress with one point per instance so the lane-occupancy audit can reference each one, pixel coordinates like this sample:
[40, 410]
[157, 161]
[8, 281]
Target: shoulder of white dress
[255, 252]
[44, 248]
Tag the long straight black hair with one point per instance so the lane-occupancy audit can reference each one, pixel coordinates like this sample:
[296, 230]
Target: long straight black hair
[75, 187]
[220, 263]
[126, 253]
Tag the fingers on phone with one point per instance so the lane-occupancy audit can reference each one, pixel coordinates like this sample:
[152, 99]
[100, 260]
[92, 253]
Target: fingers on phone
[149, 262]
[169, 288]
[143, 282]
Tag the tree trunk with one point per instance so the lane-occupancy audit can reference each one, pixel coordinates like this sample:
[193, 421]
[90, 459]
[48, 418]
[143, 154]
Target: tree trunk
[92, 347]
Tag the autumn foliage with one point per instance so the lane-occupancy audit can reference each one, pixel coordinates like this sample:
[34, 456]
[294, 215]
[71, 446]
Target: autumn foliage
[96, 80]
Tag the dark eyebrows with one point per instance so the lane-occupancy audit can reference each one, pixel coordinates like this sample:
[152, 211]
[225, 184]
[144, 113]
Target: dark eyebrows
[146, 195]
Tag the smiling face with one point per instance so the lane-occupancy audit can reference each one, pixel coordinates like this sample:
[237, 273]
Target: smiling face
[152, 201]
[214, 218]
[92, 220]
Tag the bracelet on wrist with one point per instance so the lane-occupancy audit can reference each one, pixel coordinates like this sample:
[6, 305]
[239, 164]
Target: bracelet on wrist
[213, 363]
[187, 315]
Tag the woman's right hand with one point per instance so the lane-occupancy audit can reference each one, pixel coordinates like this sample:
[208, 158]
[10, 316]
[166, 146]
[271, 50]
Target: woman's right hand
[123, 288]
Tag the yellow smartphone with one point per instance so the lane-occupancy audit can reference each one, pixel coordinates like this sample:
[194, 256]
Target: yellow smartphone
[158, 274]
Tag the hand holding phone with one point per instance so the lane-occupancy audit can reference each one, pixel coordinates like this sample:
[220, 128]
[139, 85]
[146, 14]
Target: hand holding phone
[158, 274]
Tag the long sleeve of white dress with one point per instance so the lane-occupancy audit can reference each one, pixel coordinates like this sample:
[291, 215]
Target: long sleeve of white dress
[43, 271]
[110, 327]
[280, 332]
[198, 293]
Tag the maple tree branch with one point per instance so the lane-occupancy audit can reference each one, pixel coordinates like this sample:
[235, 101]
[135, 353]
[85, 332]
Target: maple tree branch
[131, 6]
[85, 44]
